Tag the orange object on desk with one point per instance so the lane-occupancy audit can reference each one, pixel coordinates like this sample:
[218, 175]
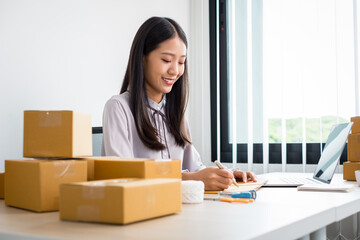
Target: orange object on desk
[242, 200]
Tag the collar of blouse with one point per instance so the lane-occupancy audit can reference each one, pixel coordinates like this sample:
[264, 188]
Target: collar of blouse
[160, 122]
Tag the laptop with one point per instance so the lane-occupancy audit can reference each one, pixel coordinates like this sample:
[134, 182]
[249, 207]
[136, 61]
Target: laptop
[325, 168]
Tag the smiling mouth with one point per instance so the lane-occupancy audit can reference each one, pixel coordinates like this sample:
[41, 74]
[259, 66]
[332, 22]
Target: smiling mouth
[169, 81]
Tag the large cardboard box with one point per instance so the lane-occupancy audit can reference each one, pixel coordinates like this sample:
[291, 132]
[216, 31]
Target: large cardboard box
[64, 134]
[34, 184]
[120, 201]
[2, 184]
[136, 168]
[356, 126]
[349, 169]
[354, 147]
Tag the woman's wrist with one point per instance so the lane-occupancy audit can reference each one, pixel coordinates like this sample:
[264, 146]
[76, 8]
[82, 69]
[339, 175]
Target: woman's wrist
[189, 176]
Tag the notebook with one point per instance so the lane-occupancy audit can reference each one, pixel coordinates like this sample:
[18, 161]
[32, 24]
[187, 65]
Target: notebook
[243, 187]
[326, 166]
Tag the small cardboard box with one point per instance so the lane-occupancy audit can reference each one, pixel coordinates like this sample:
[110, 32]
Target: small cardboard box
[349, 169]
[356, 126]
[120, 201]
[34, 184]
[2, 184]
[63, 134]
[354, 147]
[136, 168]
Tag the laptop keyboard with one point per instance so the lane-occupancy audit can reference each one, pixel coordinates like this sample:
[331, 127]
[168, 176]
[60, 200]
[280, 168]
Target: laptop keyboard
[299, 180]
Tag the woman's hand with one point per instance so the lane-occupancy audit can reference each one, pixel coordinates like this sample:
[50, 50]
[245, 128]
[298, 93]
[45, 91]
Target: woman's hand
[213, 178]
[244, 176]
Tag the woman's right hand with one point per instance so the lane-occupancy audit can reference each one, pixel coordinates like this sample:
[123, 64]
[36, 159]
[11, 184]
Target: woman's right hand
[213, 178]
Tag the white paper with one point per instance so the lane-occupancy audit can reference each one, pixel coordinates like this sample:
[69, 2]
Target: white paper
[326, 187]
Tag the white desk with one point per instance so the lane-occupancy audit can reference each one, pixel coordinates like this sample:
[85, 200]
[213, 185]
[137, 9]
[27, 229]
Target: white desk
[277, 213]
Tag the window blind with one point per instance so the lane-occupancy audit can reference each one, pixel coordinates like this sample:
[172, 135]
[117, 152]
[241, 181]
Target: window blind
[291, 71]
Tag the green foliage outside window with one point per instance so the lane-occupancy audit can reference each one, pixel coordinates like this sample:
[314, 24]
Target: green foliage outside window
[294, 128]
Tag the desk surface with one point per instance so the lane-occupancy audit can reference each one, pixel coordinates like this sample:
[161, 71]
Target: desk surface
[277, 213]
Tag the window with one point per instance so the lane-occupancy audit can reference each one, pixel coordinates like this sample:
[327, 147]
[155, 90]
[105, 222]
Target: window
[282, 73]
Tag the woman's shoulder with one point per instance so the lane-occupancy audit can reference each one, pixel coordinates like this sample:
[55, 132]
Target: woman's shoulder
[122, 99]
[119, 101]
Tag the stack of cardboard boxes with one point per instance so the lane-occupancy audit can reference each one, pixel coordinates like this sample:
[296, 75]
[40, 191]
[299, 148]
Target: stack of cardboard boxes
[139, 189]
[61, 178]
[353, 153]
[54, 138]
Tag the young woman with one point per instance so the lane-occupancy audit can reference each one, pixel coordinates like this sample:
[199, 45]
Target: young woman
[147, 119]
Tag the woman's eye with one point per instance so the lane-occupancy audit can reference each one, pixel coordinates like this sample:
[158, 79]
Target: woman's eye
[167, 61]
[181, 63]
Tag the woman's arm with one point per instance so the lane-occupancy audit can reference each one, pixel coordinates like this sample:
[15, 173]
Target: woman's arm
[116, 134]
[213, 178]
[218, 179]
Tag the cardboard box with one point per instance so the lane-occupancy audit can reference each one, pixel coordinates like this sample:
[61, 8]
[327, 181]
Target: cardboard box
[136, 168]
[354, 147]
[91, 165]
[2, 184]
[64, 134]
[120, 201]
[90, 169]
[34, 184]
[356, 126]
[349, 169]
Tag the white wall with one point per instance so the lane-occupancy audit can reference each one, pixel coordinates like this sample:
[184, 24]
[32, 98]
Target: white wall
[72, 55]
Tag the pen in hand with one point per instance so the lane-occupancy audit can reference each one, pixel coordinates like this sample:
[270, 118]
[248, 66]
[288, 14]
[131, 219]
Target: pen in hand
[220, 166]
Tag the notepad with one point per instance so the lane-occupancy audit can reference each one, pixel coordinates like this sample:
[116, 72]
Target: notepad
[326, 187]
[243, 187]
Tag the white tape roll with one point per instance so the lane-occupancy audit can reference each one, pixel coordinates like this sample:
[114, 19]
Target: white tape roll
[192, 191]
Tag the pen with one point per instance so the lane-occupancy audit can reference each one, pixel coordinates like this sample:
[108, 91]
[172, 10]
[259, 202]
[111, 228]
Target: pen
[220, 166]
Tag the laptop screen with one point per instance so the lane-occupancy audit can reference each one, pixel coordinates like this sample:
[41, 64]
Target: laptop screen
[332, 152]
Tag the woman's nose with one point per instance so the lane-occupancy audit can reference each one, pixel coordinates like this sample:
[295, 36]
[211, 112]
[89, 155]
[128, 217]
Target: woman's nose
[174, 69]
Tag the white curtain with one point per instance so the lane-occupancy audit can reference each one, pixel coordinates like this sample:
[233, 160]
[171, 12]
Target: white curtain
[293, 72]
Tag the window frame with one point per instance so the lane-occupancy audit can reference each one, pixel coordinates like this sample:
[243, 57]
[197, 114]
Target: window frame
[294, 150]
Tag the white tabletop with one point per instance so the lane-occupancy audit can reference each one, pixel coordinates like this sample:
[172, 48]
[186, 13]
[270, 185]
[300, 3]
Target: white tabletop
[277, 213]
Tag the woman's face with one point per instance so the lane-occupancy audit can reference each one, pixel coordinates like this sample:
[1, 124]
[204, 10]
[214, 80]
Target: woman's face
[163, 67]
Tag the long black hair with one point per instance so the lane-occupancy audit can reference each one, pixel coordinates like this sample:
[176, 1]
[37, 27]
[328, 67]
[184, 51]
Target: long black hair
[151, 33]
